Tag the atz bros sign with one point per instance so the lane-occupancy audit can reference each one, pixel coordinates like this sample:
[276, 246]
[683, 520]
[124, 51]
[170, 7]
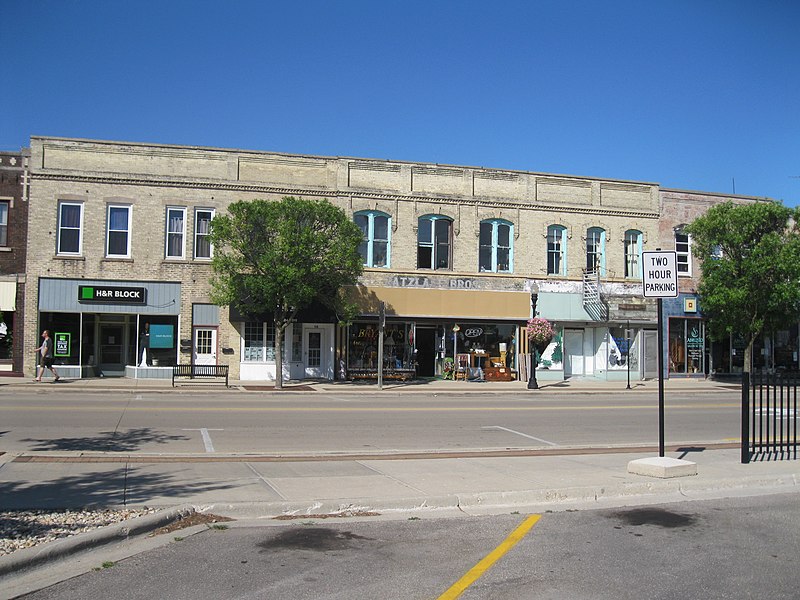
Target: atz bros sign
[112, 294]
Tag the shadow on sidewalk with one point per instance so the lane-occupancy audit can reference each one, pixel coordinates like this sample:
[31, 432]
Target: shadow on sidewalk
[108, 441]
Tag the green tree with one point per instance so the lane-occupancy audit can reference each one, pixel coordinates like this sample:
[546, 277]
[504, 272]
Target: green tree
[750, 282]
[278, 257]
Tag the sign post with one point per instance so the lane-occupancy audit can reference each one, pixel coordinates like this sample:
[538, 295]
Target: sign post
[660, 280]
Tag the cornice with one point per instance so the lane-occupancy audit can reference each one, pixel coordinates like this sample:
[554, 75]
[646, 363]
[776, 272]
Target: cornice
[343, 194]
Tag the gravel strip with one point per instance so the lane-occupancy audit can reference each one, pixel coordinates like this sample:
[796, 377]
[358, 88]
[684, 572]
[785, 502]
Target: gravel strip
[26, 528]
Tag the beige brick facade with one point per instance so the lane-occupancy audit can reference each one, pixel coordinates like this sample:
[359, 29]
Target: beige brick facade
[151, 178]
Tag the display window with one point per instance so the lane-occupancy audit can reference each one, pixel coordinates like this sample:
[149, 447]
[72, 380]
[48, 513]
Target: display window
[686, 346]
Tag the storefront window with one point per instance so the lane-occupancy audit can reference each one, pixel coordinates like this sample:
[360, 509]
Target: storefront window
[620, 350]
[686, 346]
[259, 342]
[398, 347]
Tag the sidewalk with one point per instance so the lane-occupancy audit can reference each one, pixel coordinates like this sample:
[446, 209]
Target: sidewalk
[426, 386]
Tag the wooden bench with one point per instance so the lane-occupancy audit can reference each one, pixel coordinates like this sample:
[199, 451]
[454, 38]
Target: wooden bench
[200, 371]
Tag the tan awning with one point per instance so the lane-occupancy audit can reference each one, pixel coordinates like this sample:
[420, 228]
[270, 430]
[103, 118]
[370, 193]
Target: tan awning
[432, 302]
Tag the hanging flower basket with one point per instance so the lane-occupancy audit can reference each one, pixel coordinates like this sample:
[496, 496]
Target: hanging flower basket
[540, 333]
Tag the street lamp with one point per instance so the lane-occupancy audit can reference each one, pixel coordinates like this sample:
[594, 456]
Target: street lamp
[456, 329]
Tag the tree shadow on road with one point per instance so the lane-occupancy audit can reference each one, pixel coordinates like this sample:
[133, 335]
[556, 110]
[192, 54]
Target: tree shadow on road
[108, 441]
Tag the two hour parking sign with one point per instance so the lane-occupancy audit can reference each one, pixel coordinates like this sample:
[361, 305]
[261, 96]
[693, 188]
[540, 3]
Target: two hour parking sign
[660, 274]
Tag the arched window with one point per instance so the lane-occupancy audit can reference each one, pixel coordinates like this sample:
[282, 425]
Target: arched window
[556, 250]
[633, 254]
[596, 250]
[376, 227]
[434, 242]
[495, 253]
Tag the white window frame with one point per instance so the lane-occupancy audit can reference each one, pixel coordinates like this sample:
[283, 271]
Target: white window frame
[561, 239]
[633, 238]
[61, 229]
[5, 207]
[600, 250]
[197, 235]
[370, 240]
[182, 233]
[495, 245]
[683, 251]
[263, 350]
[129, 209]
[429, 221]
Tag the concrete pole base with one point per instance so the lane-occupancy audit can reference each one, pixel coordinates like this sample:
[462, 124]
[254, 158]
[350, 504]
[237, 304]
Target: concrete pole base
[662, 467]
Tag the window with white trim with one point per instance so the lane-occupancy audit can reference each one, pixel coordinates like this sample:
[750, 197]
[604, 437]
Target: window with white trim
[556, 250]
[633, 254]
[376, 228]
[118, 233]
[433, 242]
[176, 232]
[202, 231]
[259, 342]
[683, 250]
[495, 252]
[70, 228]
[596, 250]
[4, 223]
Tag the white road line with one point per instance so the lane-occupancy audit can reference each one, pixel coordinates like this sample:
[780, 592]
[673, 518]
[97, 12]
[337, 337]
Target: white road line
[530, 437]
[206, 438]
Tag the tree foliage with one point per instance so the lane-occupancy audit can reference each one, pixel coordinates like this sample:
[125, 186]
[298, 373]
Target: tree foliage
[278, 257]
[750, 283]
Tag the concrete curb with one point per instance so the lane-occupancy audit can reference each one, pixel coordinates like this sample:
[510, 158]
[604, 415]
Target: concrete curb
[644, 492]
[28, 558]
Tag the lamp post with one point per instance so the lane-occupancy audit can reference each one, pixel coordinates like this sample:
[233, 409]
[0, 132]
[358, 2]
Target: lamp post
[456, 329]
[532, 383]
[628, 351]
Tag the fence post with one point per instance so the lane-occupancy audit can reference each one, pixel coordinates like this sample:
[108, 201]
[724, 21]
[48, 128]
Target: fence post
[745, 417]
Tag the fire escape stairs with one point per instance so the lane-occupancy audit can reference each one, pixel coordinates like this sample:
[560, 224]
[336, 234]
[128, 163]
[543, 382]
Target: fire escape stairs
[593, 302]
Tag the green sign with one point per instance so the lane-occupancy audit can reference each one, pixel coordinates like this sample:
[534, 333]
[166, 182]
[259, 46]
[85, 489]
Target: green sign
[115, 294]
[161, 336]
[63, 342]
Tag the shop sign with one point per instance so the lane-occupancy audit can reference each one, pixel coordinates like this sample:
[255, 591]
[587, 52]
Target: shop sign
[410, 282]
[116, 295]
[473, 332]
[63, 343]
[161, 336]
[463, 284]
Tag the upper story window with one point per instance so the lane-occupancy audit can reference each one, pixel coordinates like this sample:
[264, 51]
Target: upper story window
[495, 251]
[683, 249]
[375, 226]
[3, 223]
[202, 230]
[596, 250]
[556, 250]
[176, 232]
[633, 254]
[118, 238]
[434, 242]
[70, 227]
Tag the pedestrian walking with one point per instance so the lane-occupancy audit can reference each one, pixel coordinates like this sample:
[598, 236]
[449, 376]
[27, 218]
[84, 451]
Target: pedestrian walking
[46, 356]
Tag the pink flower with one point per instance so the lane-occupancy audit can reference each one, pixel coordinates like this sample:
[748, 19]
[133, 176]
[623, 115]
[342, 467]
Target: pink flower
[540, 331]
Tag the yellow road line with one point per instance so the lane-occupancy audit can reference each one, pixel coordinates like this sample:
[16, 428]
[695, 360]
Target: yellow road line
[460, 586]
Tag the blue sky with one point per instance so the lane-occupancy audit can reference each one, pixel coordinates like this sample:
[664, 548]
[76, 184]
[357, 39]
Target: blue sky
[696, 95]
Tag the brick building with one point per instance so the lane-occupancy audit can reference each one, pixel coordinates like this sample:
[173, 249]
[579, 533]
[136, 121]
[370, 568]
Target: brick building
[13, 243]
[121, 264]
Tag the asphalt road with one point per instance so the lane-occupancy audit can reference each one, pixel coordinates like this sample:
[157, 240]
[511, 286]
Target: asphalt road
[721, 549]
[232, 422]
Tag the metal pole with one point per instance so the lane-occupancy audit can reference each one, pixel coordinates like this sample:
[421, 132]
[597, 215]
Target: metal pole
[381, 325]
[660, 379]
[628, 341]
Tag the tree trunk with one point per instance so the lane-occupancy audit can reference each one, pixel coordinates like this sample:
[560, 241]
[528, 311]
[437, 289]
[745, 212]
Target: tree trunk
[279, 329]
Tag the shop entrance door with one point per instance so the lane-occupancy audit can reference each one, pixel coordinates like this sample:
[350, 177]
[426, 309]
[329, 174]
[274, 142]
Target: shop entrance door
[205, 346]
[111, 361]
[573, 352]
[314, 354]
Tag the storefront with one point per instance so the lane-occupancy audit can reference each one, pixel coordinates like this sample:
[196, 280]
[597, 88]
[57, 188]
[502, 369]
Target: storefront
[434, 324]
[107, 328]
[432, 348]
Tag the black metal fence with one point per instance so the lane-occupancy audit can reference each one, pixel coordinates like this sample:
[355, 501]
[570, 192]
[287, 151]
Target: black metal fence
[769, 416]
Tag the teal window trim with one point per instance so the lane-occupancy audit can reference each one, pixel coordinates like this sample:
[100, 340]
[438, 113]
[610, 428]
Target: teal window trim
[496, 257]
